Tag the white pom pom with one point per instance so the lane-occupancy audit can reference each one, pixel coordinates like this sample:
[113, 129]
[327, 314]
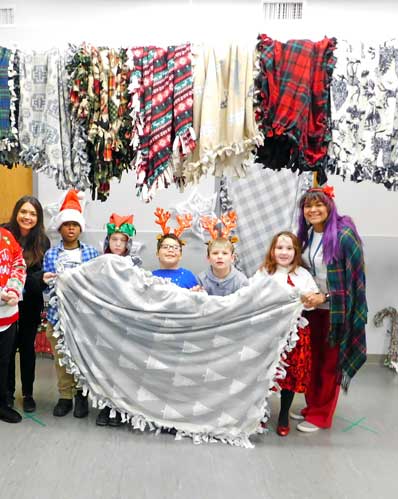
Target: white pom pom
[80, 195]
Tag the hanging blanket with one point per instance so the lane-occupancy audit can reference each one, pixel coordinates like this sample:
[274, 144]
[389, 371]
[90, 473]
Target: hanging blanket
[265, 202]
[8, 107]
[165, 80]
[99, 99]
[364, 113]
[293, 102]
[44, 120]
[169, 357]
[223, 114]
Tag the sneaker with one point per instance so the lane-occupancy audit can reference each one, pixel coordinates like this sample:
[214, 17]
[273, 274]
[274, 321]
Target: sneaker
[116, 421]
[62, 408]
[28, 404]
[81, 405]
[296, 415]
[307, 427]
[8, 415]
[103, 417]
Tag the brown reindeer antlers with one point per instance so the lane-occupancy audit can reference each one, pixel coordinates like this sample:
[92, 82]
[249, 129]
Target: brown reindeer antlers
[162, 217]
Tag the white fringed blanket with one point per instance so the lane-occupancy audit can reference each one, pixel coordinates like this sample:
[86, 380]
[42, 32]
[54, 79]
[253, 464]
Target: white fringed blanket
[168, 357]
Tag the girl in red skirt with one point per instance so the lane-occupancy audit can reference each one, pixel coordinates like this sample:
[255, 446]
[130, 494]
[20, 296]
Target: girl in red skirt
[283, 263]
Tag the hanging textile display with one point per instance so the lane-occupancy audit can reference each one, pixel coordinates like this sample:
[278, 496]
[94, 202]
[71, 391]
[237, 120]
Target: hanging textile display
[166, 101]
[99, 101]
[9, 94]
[364, 113]
[265, 202]
[223, 114]
[176, 358]
[391, 360]
[292, 103]
[44, 121]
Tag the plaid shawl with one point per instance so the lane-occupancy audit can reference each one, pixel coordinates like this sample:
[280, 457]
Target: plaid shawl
[293, 102]
[348, 307]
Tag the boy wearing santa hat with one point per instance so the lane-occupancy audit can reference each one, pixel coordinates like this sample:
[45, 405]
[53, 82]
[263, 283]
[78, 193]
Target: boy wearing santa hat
[68, 253]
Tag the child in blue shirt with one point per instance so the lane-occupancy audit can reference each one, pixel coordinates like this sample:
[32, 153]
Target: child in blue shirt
[169, 252]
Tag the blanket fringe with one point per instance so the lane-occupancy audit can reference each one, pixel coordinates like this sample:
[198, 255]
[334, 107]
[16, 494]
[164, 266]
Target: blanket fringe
[142, 422]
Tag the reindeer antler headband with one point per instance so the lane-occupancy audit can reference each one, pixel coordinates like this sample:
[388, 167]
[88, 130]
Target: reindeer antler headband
[228, 222]
[162, 217]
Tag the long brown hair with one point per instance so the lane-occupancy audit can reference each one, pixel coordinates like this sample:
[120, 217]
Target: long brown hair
[36, 242]
[270, 264]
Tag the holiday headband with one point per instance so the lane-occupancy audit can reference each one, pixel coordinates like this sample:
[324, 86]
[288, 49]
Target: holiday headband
[328, 190]
[228, 221]
[122, 224]
[162, 217]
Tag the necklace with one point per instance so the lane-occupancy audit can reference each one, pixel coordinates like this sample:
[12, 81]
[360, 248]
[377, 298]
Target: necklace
[312, 257]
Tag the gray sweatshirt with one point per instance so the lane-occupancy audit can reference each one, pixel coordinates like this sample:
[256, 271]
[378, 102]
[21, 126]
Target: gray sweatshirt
[222, 287]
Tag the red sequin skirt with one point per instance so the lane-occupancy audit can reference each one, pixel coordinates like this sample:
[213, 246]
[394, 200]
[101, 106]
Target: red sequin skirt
[299, 361]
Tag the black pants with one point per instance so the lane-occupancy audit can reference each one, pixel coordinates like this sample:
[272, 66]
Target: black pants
[6, 344]
[25, 344]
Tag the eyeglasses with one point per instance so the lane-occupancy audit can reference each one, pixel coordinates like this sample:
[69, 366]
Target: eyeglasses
[171, 247]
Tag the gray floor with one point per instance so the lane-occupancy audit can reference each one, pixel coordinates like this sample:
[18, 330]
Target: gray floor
[45, 457]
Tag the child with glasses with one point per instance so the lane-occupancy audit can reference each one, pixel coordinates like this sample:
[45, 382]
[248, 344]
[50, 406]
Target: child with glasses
[169, 252]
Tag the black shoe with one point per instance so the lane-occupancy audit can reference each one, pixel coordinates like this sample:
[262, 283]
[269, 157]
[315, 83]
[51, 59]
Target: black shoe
[81, 405]
[116, 421]
[170, 431]
[28, 404]
[103, 417]
[9, 415]
[62, 408]
[10, 400]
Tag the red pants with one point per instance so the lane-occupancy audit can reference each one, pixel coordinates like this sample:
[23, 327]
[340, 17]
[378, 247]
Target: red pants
[323, 390]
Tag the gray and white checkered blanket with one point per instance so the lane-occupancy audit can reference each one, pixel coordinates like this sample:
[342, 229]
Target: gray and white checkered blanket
[169, 357]
[265, 202]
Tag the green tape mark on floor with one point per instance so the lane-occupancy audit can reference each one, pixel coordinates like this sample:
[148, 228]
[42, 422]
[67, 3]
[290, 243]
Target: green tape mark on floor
[34, 418]
[356, 424]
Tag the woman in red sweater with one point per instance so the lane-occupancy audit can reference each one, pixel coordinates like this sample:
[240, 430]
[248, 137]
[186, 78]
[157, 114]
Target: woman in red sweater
[12, 280]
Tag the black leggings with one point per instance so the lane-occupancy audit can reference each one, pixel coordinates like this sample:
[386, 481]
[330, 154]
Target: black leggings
[6, 344]
[25, 344]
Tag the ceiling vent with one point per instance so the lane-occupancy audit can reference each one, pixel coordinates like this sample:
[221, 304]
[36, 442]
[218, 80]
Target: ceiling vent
[7, 16]
[283, 11]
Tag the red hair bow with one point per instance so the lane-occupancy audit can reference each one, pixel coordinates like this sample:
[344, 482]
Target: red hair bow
[328, 190]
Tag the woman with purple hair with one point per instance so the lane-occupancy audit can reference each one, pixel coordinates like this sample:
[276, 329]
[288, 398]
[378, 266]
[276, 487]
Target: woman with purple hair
[332, 250]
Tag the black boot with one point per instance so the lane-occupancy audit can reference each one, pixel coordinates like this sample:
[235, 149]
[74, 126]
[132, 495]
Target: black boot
[63, 407]
[28, 403]
[81, 405]
[8, 415]
[103, 417]
[116, 421]
[10, 399]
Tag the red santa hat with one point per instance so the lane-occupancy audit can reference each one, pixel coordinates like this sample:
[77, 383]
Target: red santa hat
[71, 210]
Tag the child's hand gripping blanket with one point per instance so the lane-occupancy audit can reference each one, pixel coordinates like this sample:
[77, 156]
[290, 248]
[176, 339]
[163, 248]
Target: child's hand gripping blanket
[164, 356]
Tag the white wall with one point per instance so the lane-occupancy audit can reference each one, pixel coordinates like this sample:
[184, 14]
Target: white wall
[45, 23]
